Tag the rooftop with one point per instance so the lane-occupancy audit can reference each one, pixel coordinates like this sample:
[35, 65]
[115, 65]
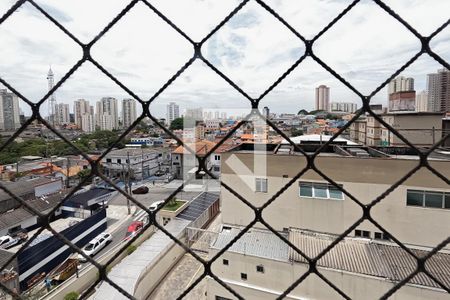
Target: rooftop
[356, 255]
[317, 138]
[84, 197]
[198, 206]
[338, 148]
[132, 152]
[364, 256]
[255, 242]
[11, 218]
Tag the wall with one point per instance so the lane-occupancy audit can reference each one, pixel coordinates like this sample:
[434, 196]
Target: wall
[278, 276]
[158, 271]
[364, 178]
[27, 223]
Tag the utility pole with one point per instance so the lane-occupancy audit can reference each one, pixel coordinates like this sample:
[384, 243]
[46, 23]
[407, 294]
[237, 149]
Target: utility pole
[128, 183]
[142, 164]
[68, 173]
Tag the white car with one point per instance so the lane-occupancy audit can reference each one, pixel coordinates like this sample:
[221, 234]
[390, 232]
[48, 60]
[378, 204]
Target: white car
[155, 205]
[94, 246]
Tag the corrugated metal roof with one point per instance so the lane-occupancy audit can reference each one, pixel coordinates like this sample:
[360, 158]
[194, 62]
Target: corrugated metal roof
[16, 216]
[368, 257]
[256, 242]
[84, 197]
[22, 187]
[197, 206]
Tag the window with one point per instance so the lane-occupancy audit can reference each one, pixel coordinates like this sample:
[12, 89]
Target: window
[225, 262]
[306, 189]
[244, 276]
[261, 185]
[216, 169]
[260, 269]
[108, 160]
[362, 233]
[414, 198]
[119, 161]
[320, 190]
[432, 199]
[381, 236]
[216, 157]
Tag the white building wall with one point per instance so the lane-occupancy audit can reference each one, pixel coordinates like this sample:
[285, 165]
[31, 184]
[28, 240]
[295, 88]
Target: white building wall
[373, 177]
[279, 275]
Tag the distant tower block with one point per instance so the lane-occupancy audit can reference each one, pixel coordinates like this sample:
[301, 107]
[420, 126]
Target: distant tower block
[52, 99]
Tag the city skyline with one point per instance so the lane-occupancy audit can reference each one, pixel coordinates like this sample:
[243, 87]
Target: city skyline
[243, 60]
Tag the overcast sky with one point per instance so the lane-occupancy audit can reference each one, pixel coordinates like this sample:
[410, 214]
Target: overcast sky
[253, 49]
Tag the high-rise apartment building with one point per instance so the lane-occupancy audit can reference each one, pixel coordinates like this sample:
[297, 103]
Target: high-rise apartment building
[62, 114]
[343, 107]
[322, 97]
[402, 96]
[401, 84]
[80, 108]
[9, 111]
[128, 112]
[266, 112]
[422, 102]
[196, 114]
[106, 122]
[173, 112]
[107, 106]
[439, 91]
[87, 123]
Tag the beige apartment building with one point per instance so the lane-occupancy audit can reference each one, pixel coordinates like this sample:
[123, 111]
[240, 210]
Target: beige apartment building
[364, 177]
[358, 131]
[373, 131]
[360, 268]
[311, 213]
[420, 128]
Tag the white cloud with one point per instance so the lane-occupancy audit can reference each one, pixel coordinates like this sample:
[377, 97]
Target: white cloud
[253, 49]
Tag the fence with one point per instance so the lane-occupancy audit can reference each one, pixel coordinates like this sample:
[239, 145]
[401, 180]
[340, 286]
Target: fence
[254, 103]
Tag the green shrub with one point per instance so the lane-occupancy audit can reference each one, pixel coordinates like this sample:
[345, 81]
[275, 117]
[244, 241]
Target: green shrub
[131, 249]
[71, 296]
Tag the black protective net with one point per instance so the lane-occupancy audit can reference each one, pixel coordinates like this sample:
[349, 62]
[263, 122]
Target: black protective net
[258, 216]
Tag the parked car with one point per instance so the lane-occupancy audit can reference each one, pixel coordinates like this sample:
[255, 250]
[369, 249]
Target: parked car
[141, 190]
[159, 173]
[8, 241]
[94, 246]
[155, 205]
[134, 229]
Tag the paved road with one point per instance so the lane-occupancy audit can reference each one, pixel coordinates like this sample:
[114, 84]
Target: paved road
[120, 220]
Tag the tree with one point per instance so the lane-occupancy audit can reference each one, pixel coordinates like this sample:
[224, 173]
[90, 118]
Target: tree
[177, 123]
[84, 174]
[317, 112]
[296, 132]
[302, 112]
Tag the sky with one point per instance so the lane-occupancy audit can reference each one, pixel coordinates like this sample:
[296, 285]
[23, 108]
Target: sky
[253, 49]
